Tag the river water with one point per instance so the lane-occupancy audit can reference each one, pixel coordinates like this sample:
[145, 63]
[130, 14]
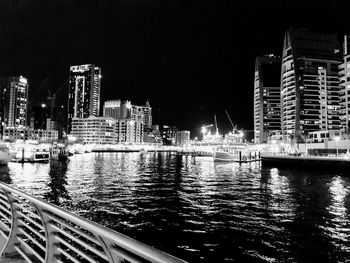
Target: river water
[200, 211]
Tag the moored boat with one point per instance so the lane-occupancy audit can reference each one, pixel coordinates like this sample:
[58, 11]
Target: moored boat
[59, 153]
[226, 155]
[5, 154]
[32, 153]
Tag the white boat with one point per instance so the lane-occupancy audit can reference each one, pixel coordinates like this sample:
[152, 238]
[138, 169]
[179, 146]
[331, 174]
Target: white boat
[5, 154]
[59, 153]
[225, 155]
[32, 153]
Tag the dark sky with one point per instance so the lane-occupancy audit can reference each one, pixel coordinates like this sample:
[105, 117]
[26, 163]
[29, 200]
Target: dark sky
[191, 58]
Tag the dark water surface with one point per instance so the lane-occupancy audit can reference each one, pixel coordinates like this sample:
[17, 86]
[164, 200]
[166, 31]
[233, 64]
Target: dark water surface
[201, 211]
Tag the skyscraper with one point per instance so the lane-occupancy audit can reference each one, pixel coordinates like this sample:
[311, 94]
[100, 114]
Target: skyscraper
[267, 97]
[147, 112]
[344, 73]
[117, 109]
[309, 83]
[84, 92]
[14, 101]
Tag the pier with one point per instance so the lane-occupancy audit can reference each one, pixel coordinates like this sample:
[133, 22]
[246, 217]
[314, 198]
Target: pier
[306, 162]
[32, 230]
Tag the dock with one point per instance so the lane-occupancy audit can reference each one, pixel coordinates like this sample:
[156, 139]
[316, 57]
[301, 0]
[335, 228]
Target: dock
[306, 162]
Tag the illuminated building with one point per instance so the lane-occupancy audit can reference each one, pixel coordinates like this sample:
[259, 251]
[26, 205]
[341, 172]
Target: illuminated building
[117, 109]
[183, 138]
[168, 134]
[84, 92]
[41, 135]
[344, 75]
[14, 101]
[95, 130]
[309, 83]
[147, 112]
[267, 97]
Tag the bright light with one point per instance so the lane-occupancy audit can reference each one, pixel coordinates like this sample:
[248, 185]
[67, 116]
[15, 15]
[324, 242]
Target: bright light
[204, 130]
[241, 134]
[337, 138]
[43, 105]
[72, 138]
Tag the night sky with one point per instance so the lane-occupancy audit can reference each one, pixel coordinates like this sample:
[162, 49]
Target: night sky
[191, 59]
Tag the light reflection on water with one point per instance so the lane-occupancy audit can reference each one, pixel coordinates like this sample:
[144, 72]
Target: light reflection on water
[198, 210]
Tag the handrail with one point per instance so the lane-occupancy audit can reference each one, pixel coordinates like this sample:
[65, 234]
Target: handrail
[34, 224]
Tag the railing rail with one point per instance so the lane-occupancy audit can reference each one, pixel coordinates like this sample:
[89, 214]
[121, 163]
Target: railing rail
[42, 232]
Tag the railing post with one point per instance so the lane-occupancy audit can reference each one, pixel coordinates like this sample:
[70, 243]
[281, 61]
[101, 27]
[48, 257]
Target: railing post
[9, 248]
[51, 246]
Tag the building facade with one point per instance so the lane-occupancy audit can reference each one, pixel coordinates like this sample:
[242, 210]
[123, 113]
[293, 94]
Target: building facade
[14, 101]
[117, 109]
[168, 134]
[147, 112]
[267, 97]
[83, 92]
[183, 138]
[310, 90]
[13, 133]
[344, 76]
[95, 130]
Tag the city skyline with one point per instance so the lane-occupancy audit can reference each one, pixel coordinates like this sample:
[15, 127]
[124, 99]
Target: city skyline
[187, 59]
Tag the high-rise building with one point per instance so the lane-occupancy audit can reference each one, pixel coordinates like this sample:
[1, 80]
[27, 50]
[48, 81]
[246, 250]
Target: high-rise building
[344, 75]
[309, 83]
[84, 92]
[14, 101]
[267, 97]
[147, 112]
[117, 109]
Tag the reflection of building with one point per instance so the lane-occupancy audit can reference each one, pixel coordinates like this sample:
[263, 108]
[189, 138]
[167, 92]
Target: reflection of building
[84, 92]
[183, 137]
[14, 101]
[95, 130]
[13, 133]
[310, 83]
[267, 99]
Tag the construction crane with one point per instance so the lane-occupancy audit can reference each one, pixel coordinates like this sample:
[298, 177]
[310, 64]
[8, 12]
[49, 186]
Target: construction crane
[52, 98]
[234, 127]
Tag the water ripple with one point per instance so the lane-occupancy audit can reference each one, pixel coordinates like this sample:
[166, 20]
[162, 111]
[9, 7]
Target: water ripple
[198, 210]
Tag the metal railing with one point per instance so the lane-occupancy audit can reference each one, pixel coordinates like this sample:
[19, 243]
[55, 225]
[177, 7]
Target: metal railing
[41, 232]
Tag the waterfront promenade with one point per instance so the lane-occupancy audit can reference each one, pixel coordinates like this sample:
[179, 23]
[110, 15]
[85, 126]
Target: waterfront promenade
[40, 232]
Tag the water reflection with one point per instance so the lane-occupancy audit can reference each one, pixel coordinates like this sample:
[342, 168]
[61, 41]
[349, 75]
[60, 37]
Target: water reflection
[199, 210]
[57, 192]
[5, 174]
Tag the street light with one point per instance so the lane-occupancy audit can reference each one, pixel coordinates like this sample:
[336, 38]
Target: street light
[337, 139]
